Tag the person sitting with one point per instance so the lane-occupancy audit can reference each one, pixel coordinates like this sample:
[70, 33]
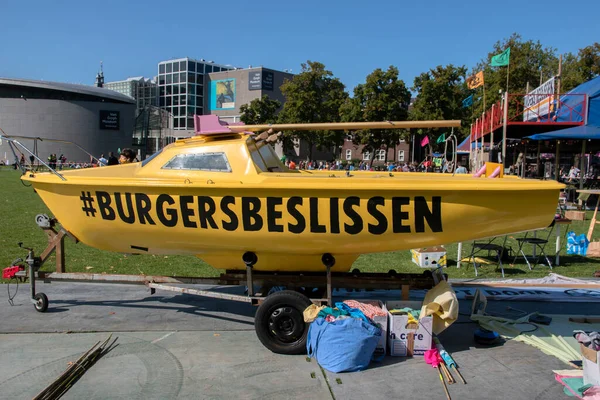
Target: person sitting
[461, 170]
[127, 156]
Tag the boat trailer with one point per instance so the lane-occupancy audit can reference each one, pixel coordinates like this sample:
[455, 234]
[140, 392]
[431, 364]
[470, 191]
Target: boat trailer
[279, 321]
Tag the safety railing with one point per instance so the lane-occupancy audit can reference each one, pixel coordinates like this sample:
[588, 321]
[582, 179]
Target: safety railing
[533, 109]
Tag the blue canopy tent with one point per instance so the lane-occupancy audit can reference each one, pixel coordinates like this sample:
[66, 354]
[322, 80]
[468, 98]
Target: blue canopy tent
[572, 109]
[591, 127]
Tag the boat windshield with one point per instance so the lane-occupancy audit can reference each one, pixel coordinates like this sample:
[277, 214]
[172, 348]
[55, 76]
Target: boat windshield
[264, 157]
[147, 160]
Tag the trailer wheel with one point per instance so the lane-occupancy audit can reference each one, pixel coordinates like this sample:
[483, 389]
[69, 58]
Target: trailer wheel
[41, 302]
[279, 322]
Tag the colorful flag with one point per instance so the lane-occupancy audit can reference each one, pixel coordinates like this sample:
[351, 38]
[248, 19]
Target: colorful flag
[502, 59]
[475, 81]
[425, 141]
[468, 102]
[441, 139]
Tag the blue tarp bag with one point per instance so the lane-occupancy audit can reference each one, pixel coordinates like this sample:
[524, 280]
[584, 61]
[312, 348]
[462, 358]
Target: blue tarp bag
[342, 345]
[577, 244]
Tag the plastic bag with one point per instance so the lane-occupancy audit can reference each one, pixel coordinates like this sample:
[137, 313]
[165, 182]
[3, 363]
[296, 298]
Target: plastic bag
[577, 244]
[342, 345]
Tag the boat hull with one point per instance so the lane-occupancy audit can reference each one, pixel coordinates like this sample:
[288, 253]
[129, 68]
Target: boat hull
[290, 226]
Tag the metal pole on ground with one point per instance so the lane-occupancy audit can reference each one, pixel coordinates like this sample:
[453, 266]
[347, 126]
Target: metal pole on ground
[492, 131]
[459, 255]
[557, 161]
[504, 128]
[582, 164]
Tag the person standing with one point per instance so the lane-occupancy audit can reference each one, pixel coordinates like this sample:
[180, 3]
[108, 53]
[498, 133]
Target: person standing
[112, 160]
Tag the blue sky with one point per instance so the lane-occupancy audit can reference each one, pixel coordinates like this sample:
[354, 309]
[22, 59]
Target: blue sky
[66, 40]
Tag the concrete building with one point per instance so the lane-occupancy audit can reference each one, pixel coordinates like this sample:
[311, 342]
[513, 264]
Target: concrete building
[182, 88]
[97, 119]
[228, 90]
[143, 90]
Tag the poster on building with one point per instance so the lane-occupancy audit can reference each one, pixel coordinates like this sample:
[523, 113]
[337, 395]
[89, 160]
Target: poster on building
[260, 80]
[222, 94]
[255, 80]
[539, 103]
[109, 120]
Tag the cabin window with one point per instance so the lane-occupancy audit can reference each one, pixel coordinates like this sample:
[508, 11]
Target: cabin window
[147, 160]
[213, 162]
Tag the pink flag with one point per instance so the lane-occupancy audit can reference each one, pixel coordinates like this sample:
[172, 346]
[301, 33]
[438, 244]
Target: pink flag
[425, 141]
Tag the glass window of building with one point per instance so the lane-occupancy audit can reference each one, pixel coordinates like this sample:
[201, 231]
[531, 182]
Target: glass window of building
[198, 111]
[216, 69]
[175, 89]
[182, 100]
[182, 89]
[192, 89]
[175, 111]
[169, 99]
[175, 100]
[169, 79]
[182, 122]
[175, 78]
[181, 110]
[169, 68]
[161, 80]
[161, 91]
[366, 156]
[161, 102]
[190, 111]
[208, 69]
[169, 89]
[348, 154]
[182, 77]
[200, 68]
[182, 66]
[191, 66]
[200, 79]
[381, 155]
[401, 155]
[161, 68]
[191, 78]
[190, 123]
[176, 67]
[175, 122]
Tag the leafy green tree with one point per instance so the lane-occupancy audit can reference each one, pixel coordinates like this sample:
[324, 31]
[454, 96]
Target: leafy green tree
[581, 68]
[313, 95]
[441, 92]
[383, 97]
[260, 111]
[530, 62]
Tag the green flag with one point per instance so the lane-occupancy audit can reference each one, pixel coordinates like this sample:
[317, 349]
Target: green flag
[502, 59]
[441, 139]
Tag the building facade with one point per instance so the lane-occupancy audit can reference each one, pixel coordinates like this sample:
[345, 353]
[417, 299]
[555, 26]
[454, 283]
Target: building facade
[227, 91]
[182, 89]
[97, 119]
[143, 90]
[351, 152]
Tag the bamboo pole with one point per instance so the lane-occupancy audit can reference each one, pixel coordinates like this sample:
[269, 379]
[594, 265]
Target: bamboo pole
[346, 126]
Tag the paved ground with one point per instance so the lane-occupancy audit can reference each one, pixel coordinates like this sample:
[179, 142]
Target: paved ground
[178, 346]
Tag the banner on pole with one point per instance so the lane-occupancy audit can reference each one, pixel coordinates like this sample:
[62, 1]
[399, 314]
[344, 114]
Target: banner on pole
[502, 59]
[425, 141]
[475, 81]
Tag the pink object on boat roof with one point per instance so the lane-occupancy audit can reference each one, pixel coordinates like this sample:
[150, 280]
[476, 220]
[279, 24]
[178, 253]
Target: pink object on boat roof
[480, 172]
[211, 124]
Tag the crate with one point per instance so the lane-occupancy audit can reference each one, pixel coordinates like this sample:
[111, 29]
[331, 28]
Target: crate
[575, 215]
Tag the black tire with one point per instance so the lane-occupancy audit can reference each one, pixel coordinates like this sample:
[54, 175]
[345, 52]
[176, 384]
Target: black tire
[41, 302]
[279, 322]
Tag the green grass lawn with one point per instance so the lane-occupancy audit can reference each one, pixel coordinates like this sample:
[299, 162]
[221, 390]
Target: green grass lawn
[19, 205]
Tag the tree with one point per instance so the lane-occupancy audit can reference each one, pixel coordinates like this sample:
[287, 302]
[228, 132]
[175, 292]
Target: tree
[383, 97]
[260, 111]
[313, 95]
[581, 68]
[441, 92]
[530, 62]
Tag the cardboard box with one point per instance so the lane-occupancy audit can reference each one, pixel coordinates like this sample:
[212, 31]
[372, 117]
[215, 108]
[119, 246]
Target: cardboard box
[429, 257]
[591, 366]
[407, 340]
[382, 322]
[575, 215]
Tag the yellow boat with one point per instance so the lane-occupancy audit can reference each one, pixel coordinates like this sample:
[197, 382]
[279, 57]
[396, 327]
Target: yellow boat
[225, 192]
